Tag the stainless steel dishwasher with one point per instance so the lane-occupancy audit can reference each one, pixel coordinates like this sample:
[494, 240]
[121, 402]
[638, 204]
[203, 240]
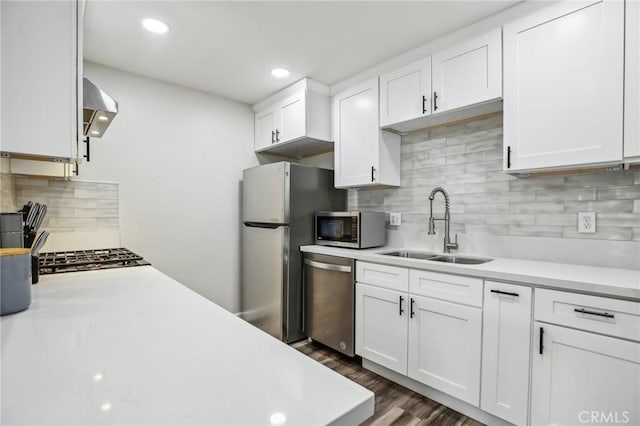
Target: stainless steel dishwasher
[329, 292]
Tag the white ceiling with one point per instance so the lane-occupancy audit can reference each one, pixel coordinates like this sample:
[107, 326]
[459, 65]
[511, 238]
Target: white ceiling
[227, 48]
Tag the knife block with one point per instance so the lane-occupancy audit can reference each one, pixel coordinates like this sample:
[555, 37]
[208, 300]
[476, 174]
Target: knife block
[29, 237]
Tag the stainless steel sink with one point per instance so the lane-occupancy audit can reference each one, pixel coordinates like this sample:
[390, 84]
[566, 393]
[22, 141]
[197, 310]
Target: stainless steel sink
[411, 254]
[463, 260]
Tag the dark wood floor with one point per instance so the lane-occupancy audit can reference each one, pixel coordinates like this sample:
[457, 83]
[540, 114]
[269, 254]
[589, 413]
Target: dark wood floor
[395, 405]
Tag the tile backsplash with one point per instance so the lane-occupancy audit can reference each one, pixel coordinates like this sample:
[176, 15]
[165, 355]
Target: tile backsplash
[72, 206]
[8, 193]
[466, 160]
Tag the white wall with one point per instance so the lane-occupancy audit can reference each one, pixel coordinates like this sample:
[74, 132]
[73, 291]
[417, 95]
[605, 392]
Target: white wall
[178, 155]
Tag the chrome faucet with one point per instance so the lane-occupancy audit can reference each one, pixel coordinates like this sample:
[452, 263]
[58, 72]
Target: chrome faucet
[448, 245]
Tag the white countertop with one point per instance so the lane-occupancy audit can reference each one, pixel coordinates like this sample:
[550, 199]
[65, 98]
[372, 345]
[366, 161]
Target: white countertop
[132, 346]
[622, 283]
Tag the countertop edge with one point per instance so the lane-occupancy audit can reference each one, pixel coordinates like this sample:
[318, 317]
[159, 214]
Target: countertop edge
[485, 271]
[358, 414]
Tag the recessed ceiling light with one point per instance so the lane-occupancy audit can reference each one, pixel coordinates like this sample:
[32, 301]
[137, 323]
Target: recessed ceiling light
[103, 118]
[280, 72]
[155, 26]
[277, 418]
[95, 132]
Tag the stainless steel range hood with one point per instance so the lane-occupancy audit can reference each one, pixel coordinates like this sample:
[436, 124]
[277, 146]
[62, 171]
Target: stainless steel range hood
[99, 109]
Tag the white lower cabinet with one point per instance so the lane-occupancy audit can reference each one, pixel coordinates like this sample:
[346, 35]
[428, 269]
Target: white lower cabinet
[576, 360]
[444, 347]
[583, 378]
[435, 342]
[381, 326]
[506, 342]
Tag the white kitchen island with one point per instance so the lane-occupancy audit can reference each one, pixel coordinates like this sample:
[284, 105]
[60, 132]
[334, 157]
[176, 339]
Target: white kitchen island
[134, 347]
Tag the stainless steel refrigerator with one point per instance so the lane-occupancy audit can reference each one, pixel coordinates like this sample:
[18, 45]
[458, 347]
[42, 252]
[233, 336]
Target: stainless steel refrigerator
[279, 201]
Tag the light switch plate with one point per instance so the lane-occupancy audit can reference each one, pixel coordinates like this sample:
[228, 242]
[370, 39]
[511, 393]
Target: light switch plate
[586, 222]
[395, 219]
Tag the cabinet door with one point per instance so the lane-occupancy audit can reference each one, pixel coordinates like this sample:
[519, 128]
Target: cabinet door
[506, 341]
[356, 135]
[632, 80]
[405, 93]
[563, 86]
[468, 73]
[291, 120]
[40, 78]
[381, 326]
[579, 375]
[265, 129]
[444, 347]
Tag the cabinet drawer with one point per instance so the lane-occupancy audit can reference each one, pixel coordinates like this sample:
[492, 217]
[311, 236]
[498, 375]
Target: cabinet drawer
[620, 318]
[391, 277]
[452, 288]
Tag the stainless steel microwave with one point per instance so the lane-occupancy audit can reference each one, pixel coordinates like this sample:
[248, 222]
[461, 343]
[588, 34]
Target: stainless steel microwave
[351, 229]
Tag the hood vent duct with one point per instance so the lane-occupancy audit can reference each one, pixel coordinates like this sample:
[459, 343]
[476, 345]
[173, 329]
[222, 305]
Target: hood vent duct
[99, 109]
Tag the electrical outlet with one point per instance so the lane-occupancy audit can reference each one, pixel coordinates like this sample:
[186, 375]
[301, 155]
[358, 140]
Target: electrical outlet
[395, 219]
[587, 222]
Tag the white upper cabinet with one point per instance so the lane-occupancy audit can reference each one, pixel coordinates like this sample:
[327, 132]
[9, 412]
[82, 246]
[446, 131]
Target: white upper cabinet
[563, 87]
[41, 79]
[461, 81]
[364, 155]
[264, 127]
[632, 81]
[295, 122]
[468, 73]
[506, 342]
[405, 93]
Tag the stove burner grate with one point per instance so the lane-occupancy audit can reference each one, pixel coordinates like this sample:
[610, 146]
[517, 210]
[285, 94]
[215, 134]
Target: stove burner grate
[88, 260]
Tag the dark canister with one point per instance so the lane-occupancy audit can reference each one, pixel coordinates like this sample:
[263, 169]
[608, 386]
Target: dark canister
[15, 280]
[11, 230]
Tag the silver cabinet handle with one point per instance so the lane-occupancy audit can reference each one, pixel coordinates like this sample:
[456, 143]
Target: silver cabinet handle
[327, 266]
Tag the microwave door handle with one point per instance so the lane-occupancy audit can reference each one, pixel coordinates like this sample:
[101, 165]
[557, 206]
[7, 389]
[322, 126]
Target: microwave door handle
[327, 266]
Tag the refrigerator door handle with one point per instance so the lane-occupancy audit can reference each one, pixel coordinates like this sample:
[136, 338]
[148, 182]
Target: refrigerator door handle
[264, 225]
[327, 266]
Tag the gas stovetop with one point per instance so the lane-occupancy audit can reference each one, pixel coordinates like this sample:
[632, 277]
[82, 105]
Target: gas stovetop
[88, 260]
